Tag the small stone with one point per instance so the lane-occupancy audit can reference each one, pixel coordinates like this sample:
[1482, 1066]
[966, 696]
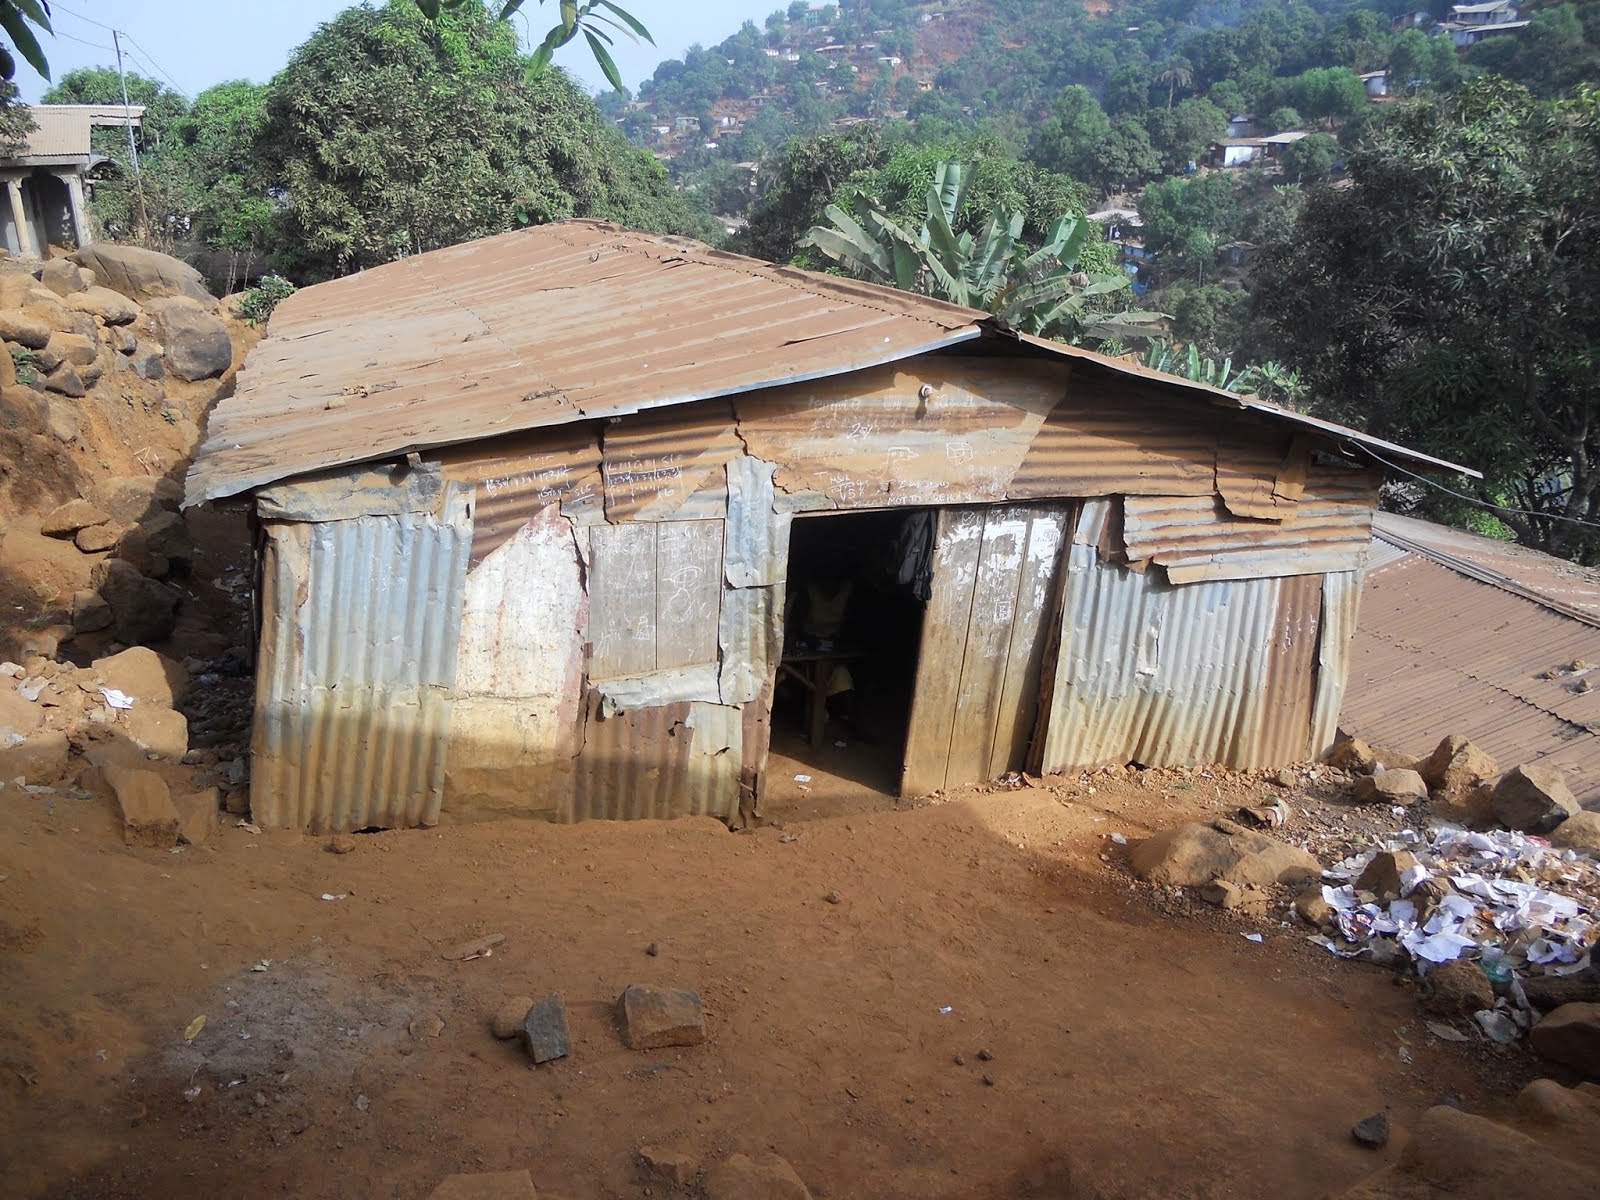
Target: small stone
[1400, 785]
[985, 1056]
[960, 1061]
[96, 539]
[429, 1025]
[1373, 1131]
[1285, 778]
[1222, 893]
[197, 815]
[675, 1166]
[1460, 988]
[544, 1030]
[343, 844]
[834, 898]
[652, 949]
[988, 1080]
[1312, 908]
[654, 1019]
[764, 1177]
[1353, 755]
[508, 1018]
[1382, 876]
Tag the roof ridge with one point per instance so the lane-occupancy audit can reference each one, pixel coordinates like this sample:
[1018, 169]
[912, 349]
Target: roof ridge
[1485, 575]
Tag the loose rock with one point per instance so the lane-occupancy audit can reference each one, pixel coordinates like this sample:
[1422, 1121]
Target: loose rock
[1373, 1131]
[197, 343]
[72, 516]
[1579, 832]
[1383, 876]
[142, 610]
[1456, 766]
[149, 817]
[1399, 785]
[96, 539]
[342, 843]
[62, 277]
[24, 329]
[143, 275]
[654, 1019]
[197, 815]
[544, 1030]
[675, 1166]
[145, 675]
[1312, 908]
[1353, 755]
[1222, 893]
[1460, 988]
[1570, 1035]
[508, 1018]
[159, 731]
[493, 1185]
[1533, 799]
[1193, 855]
[111, 307]
[765, 1177]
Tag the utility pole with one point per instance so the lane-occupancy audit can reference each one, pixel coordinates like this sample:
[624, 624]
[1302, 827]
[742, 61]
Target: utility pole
[143, 218]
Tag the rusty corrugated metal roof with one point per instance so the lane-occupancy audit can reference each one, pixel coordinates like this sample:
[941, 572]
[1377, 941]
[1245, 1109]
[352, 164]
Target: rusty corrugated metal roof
[563, 323]
[1443, 651]
[62, 130]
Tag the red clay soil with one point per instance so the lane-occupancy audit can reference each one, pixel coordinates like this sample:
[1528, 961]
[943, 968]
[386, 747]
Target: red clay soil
[1141, 1046]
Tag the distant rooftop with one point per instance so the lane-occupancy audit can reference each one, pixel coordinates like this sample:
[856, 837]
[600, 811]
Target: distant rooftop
[62, 136]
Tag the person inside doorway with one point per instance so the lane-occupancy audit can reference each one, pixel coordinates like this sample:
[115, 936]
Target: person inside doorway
[823, 611]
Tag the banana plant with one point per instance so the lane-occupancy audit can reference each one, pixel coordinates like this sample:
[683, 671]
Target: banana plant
[588, 17]
[1041, 292]
[1269, 380]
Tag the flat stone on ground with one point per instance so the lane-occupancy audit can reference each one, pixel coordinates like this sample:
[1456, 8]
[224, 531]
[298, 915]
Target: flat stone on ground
[764, 1177]
[1373, 1131]
[490, 1185]
[197, 815]
[70, 517]
[1579, 832]
[1398, 785]
[675, 1166]
[654, 1019]
[544, 1030]
[1571, 1035]
[1193, 855]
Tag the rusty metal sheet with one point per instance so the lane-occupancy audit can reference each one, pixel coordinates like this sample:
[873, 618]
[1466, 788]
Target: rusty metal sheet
[539, 327]
[978, 674]
[1341, 609]
[948, 431]
[1261, 472]
[668, 464]
[358, 670]
[1106, 438]
[343, 494]
[514, 477]
[1158, 674]
[659, 763]
[1474, 671]
[1196, 539]
[1293, 665]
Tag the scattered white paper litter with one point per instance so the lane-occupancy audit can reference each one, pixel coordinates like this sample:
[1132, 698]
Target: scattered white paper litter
[331, 896]
[802, 779]
[117, 698]
[1253, 937]
[1119, 839]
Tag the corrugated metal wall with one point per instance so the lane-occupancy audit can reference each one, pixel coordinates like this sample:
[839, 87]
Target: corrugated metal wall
[361, 627]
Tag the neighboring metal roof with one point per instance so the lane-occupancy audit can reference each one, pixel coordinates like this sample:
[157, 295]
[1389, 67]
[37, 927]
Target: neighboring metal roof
[62, 133]
[1465, 635]
[562, 323]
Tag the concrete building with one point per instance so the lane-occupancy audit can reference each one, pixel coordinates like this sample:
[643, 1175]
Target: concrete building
[46, 204]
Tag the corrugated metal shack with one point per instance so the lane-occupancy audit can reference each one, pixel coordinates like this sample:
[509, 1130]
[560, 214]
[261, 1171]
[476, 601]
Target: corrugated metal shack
[525, 507]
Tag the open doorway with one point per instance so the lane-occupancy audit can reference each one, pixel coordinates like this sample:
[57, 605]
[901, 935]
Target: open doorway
[858, 585]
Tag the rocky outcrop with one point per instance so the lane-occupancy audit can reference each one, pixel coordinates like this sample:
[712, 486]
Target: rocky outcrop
[143, 275]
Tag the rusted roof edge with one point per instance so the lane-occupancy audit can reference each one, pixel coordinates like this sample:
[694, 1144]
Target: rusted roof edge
[1483, 574]
[1235, 400]
[250, 481]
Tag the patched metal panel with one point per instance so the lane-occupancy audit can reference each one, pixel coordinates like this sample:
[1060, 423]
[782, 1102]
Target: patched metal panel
[515, 477]
[1341, 609]
[1293, 673]
[668, 465]
[358, 667]
[757, 554]
[1197, 539]
[676, 760]
[949, 431]
[655, 595]
[1158, 674]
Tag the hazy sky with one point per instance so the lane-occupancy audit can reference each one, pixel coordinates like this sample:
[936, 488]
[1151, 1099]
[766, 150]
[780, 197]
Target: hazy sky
[195, 43]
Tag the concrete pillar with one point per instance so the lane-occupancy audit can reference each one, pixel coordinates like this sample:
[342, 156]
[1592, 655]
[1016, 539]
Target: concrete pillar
[19, 215]
[80, 211]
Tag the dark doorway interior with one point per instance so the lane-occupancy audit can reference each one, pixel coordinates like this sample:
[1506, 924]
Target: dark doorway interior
[856, 592]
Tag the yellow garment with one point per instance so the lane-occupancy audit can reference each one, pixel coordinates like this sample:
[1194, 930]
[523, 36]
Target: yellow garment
[825, 614]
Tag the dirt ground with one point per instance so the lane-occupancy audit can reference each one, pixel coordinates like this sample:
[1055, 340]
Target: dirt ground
[1137, 1041]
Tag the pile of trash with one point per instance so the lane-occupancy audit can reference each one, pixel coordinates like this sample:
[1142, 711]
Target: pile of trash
[1511, 901]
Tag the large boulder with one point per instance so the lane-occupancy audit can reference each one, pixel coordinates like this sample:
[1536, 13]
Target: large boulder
[143, 275]
[24, 329]
[145, 675]
[1533, 799]
[1456, 766]
[111, 307]
[197, 342]
[1570, 1035]
[1580, 832]
[63, 277]
[1193, 855]
[142, 610]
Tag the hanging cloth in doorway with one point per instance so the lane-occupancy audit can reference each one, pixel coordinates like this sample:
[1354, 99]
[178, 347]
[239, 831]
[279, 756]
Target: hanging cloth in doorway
[914, 549]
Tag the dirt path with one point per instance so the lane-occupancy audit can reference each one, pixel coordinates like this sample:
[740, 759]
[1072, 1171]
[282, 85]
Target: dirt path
[1159, 1055]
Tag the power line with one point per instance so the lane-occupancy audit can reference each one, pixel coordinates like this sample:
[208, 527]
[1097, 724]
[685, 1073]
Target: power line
[57, 6]
[151, 61]
[144, 57]
[85, 42]
[1477, 503]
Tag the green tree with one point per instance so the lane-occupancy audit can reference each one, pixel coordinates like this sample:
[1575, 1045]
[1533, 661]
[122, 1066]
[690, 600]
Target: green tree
[599, 21]
[1071, 140]
[22, 21]
[387, 134]
[1450, 297]
[1410, 61]
[1280, 119]
[1310, 159]
[1043, 292]
[1186, 221]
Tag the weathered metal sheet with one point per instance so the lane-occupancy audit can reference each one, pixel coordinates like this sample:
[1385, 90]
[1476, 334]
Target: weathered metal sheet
[1381, 552]
[358, 669]
[1261, 471]
[758, 536]
[977, 682]
[515, 724]
[515, 477]
[539, 327]
[950, 431]
[655, 595]
[1196, 539]
[1293, 673]
[1101, 440]
[671, 685]
[1160, 675]
[659, 763]
[668, 465]
[1341, 609]
[344, 494]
